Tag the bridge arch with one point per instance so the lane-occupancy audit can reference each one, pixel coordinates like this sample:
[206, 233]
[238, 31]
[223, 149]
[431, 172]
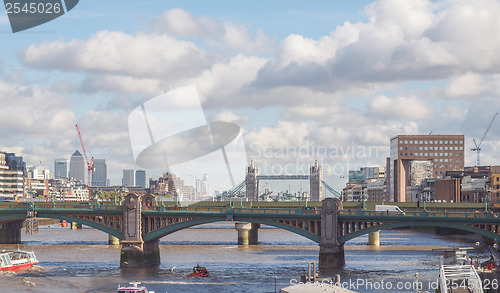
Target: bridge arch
[345, 238]
[157, 234]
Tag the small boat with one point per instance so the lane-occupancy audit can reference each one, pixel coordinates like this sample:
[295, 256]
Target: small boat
[199, 272]
[133, 288]
[64, 224]
[16, 260]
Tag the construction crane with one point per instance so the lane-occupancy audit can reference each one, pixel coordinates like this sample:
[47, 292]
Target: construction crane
[90, 165]
[477, 149]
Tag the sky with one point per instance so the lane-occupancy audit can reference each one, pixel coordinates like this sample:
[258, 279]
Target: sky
[325, 80]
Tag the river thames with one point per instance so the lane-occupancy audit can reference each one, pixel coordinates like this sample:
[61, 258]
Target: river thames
[82, 261]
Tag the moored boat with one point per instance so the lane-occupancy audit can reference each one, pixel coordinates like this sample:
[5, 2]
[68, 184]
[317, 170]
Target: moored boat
[16, 260]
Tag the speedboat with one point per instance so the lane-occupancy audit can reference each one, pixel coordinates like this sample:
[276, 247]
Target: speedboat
[133, 288]
[16, 260]
[199, 272]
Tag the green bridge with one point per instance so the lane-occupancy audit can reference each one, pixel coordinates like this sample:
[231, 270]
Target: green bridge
[140, 223]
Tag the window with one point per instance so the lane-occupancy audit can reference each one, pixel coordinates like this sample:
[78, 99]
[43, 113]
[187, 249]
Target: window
[456, 141]
[400, 147]
[421, 154]
[421, 142]
[440, 166]
[445, 142]
[440, 160]
[446, 160]
[411, 141]
[440, 172]
[416, 141]
[497, 180]
[426, 154]
[446, 154]
[431, 148]
[461, 148]
[406, 154]
[411, 154]
[436, 142]
[406, 148]
[425, 148]
[426, 142]
[400, 154]
[440, 154]
[440, 142]
[430, 142]
[436, 154]
[456, 148]
[445, 148]
[435, 172]
[440, 148]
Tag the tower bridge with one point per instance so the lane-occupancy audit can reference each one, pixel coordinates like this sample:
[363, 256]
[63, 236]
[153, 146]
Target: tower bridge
[315, 178]
[140, 223]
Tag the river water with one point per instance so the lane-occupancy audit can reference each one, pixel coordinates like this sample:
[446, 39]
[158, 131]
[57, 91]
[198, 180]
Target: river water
[82, 261]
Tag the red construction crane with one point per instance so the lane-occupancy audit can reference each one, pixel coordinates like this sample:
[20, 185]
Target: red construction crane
[90, 165]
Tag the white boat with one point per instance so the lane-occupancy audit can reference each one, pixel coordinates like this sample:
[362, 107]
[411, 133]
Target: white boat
[16, 260]
[133, 288]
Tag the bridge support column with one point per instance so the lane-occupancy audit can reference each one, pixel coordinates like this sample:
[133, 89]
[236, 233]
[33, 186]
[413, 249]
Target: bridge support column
[112, 240]
[374, 238]
[331, 252]
[243, 233]
[135, 252]
[137, 255]
[253, 234]
[10, 233]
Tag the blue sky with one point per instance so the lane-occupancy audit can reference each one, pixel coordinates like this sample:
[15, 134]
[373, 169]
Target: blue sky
[334, 74]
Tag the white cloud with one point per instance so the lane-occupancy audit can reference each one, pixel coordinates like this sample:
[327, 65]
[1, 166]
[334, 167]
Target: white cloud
[139, 55]
[181, 23]
[222, 36]
[468, 85]
[228, 116]
[402, 40]
[402, 107]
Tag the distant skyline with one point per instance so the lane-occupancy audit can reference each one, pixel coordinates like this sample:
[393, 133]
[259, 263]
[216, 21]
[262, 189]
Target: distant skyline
[340, 76]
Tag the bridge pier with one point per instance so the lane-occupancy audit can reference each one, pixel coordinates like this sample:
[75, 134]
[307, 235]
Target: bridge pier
[137, 255]
[10, 233]
[374, 238]
[248, 233]
[331, 252]
[135, 252]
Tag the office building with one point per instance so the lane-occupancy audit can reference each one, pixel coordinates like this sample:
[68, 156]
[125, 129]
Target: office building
[99, 173]
[77, 167]
[128, 178]
[416, 157]
[11, 181]
[140, 178]
[61, 169]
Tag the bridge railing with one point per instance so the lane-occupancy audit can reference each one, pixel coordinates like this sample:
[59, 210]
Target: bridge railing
[443, 213]
[235, 210]
[58, 205]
